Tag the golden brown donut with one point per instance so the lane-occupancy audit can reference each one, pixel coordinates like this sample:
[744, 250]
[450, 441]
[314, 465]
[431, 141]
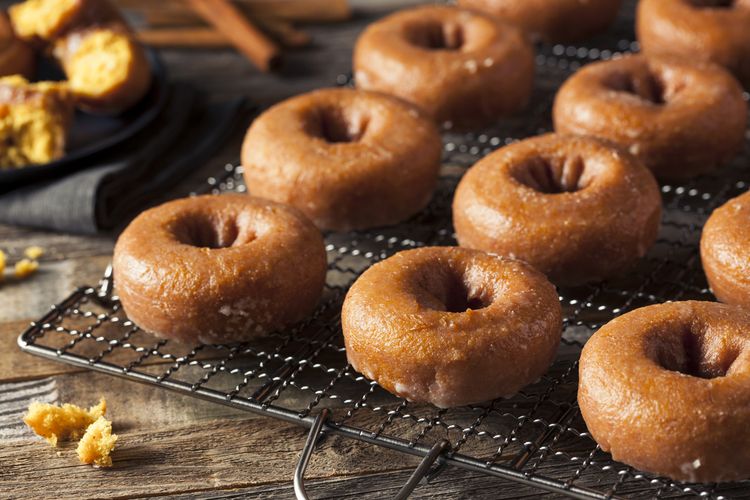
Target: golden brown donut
[219, 268]
[725, 251]
[666, 389]
[463, 67]
[552, 20]
[680, 119]
[16, 57]
[575, 208]
[698, 30]
[451, 326]
[347, 159]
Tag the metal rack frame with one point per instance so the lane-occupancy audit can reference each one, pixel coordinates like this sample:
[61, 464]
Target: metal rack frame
[301, 376]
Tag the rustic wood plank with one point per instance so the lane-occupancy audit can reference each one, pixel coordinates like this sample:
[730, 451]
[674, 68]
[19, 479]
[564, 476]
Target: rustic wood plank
[200, 457]
[57, 246]
[55, 280]
[18, 366]
[449, 484]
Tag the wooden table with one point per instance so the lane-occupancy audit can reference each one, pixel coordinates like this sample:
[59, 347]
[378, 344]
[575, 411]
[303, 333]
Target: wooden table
[172, 445]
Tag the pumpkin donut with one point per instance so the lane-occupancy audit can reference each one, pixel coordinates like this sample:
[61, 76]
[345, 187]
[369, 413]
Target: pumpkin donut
[666, 389]
[725, 251]
[575, 208]
[107, 68]
[464, 68]
[347, 159]
[219, 268]
[451, 326]
[698, 30]
[555, 21]
[680, 119]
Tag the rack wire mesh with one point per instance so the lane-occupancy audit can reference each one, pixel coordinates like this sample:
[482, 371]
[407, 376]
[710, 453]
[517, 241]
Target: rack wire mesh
[536, 437]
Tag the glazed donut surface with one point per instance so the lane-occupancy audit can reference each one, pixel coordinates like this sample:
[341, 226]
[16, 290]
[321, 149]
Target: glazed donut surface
[575, 208]
[666, 389]
[680, 119]
[451, 326]
[462, 67]
[347, 159]
[219, 268]
[725, 251]
[698, 30]
[552, 20]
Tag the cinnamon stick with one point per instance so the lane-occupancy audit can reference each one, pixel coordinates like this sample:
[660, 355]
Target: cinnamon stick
[311, 11]
[248, 39]
[208, 37]
[283, 32]
[183, 37]
[177, 12]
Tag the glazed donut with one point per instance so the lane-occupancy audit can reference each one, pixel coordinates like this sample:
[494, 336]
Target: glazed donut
[725, 251]
[575, 208]
[699, 30]
[462, 67]
[219, 268]
[553, 21]
[451, 326]
[666, 389]
[347, 159]
[16, 57]
[680, 119]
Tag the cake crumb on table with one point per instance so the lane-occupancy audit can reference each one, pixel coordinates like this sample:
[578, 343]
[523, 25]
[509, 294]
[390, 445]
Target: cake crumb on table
[34, 252]
[57, 423]
[97, 443]
[25, 268]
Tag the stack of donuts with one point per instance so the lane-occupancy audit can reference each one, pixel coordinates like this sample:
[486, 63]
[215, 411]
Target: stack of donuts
[665, 388]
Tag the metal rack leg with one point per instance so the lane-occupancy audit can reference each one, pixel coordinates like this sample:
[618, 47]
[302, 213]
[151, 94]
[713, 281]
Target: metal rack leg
[299, 473]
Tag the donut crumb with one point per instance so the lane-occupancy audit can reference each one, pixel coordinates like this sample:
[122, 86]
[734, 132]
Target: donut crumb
[25, 268]
[34, 252]
[60, 423]
[96, 445]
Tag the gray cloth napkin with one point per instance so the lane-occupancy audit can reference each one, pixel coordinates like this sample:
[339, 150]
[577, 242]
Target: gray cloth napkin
[122, 180]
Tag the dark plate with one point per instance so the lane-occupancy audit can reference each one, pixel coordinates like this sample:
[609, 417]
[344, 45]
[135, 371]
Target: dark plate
[91, 134]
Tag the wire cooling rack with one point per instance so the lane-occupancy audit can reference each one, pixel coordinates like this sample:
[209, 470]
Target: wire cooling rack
[536, 437]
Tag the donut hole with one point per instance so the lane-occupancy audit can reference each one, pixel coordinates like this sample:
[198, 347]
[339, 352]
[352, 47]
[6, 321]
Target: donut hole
[454, 290]
[460, 298]
[647, 86]
[435, 35]
[552, 175]
[203, 231]
[335, 125]
[689, 353]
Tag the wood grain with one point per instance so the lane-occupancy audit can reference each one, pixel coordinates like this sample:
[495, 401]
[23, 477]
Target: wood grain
[199, 37]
